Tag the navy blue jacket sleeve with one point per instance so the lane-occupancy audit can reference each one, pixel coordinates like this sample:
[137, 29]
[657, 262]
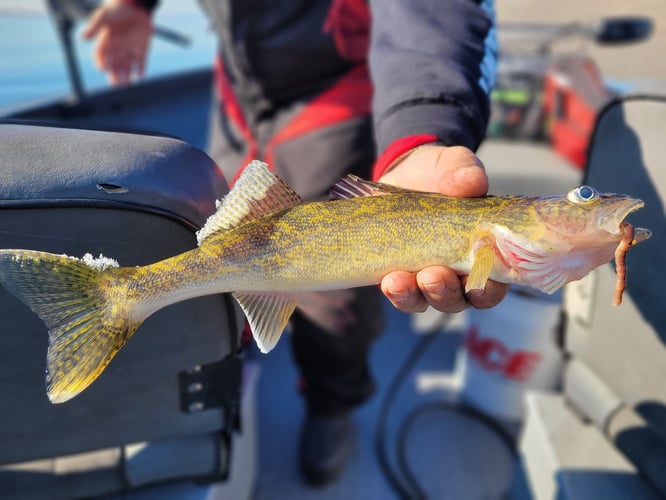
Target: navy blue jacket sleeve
[432, 64]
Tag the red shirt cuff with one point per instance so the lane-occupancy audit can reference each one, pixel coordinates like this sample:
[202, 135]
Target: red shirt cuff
[398, 148]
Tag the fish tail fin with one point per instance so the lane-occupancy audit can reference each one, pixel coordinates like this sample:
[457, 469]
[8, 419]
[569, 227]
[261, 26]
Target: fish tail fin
[78, 300]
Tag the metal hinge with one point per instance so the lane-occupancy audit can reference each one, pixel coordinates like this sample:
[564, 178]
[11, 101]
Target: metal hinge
[215, 385]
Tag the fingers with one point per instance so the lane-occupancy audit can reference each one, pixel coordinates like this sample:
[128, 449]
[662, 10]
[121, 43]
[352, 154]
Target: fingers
[403, 292]
[122, 35]
[490, 296]
[440, 288]
[122, 63]
[436, 286]
[120, 68]
[96, 29]
[95, 23]
[113, 59]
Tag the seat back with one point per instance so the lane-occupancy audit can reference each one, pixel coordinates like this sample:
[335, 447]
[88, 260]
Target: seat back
[165, 405]
[617, 376]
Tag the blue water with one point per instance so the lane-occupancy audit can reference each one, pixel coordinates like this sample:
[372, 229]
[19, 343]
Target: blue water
[32, 65]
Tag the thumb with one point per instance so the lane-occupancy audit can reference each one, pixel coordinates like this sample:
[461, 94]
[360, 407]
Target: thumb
[95, 23]
[450, 170]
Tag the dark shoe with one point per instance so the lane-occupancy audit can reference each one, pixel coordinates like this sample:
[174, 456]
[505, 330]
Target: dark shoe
[326, 444]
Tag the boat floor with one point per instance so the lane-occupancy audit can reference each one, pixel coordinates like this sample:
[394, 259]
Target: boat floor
[450, 454]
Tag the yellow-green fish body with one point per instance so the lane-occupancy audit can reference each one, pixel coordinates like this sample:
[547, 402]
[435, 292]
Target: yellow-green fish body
[265, 245]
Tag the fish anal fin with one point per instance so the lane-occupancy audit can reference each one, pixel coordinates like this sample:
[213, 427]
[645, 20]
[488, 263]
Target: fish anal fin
[268, 316]
[483, 262]
[257, 192]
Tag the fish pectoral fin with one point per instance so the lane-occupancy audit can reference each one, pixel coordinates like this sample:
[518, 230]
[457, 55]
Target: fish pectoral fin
[268, 316]
[484, 260]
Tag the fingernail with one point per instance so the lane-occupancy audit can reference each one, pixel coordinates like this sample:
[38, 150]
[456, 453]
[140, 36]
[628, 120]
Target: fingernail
[398, 297]
[435, 290]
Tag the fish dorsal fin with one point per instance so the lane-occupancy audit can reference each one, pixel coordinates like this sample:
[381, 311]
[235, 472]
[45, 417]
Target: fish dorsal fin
[355, 187]
[257, 192]
[268, 316]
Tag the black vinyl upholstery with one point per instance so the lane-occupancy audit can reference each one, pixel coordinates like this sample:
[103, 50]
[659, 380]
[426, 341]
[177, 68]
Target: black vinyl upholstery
[137, 199]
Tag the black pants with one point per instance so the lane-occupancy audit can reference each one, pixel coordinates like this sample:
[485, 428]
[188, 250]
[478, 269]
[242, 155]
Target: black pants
[331, 338]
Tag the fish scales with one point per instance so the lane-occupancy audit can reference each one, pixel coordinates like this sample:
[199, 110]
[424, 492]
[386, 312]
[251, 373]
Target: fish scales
[325, 245]
[328, 245]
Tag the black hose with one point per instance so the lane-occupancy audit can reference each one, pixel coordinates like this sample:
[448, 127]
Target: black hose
[403, 481]
[449, 408]
[403, 491]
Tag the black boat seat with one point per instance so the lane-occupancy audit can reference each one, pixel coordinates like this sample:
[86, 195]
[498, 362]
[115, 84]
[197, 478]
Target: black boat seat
[175, 385]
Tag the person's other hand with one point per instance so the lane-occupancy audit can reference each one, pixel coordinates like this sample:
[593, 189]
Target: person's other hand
[122, 32]
[453, 171]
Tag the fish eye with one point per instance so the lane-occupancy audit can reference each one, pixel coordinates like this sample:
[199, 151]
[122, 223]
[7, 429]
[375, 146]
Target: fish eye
[583, 195]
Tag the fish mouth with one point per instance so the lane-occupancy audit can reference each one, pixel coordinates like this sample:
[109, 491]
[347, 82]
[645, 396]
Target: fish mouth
[613, 221]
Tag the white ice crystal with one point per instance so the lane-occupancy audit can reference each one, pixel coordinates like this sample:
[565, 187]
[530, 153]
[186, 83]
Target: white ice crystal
[100, 263]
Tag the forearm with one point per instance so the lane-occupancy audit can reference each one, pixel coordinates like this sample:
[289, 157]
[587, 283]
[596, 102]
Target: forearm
[432, 64]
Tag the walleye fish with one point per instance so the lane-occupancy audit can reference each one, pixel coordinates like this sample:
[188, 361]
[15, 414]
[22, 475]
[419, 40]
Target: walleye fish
[265, 245]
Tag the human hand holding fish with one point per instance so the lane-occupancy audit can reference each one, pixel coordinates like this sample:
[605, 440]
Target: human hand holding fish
[265, 245]
[451, 171]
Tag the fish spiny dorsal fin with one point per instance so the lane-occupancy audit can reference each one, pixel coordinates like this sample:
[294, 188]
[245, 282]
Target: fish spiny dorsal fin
[257, 192]
[355, 187]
